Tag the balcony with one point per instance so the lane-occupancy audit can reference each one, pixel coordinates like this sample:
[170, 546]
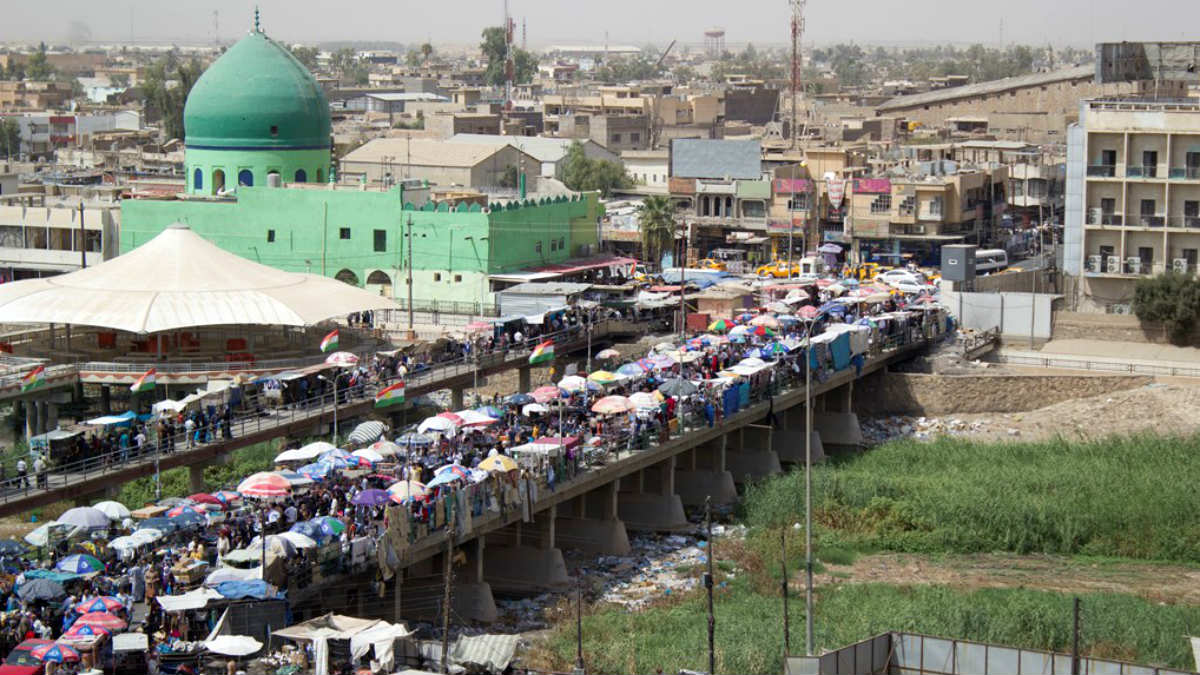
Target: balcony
[1099, 218]
[1184, 173]
[1102, 170]
[1141, 171]
[1184, 222]
[1141, 220]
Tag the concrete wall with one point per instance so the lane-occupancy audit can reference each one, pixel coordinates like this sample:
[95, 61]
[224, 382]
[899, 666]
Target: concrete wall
[1115, 327]
[1010, 312]
[921, 394]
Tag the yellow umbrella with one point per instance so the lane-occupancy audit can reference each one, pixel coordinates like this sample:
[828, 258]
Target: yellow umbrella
[602, 377]
[499, 463]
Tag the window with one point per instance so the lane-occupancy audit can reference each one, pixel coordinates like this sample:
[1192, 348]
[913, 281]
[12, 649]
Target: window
[537, 247]
[320, 176]
[274, 131]
[437, 276]
[616, 138]
[882, 204]
[1189, 254]
[246, 177]
[301, 176]
[562, 243]
[380, 241]
[457, 278]
[198, 180]
[1191, 208]
[270, 236]
[344, 233]
[1146, 253]
[1150, 163]
[1108, 205]
[1147, 207]
[553, 245]
[635, 138]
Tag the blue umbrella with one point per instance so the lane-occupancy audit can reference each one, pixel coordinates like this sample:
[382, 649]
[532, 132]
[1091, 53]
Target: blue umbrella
[309, 529]
[164, 525]
[330, 526]
[80, 563]
[490, 411]
[371, 498]
[519, 399]
[189, 519]
[317, 471]
[442, 479]
[631, 369]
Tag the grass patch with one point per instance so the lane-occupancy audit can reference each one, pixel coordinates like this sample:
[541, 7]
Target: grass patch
[749, 627]
[1119, 497]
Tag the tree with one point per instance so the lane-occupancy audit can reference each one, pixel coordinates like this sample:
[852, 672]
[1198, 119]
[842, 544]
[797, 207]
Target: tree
[164, 101]
[582, 173]
[493, 48]
[306, 55]
[10, 137]
[1170, 299]
[39, 67]
[426, 51]
[657, 221]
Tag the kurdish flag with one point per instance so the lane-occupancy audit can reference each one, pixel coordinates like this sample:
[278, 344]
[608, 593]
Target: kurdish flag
[146, 382]
[34, 378]
[542, 353]
[390, 396]
[330, 343]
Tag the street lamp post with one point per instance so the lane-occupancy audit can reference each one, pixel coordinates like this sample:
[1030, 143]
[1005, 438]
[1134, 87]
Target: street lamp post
[808, 552]
[335, 401]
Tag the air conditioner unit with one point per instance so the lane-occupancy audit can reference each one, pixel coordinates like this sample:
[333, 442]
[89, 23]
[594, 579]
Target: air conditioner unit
[1114, 265]
[1095, 264]
[1134, 265]
[1179, 265]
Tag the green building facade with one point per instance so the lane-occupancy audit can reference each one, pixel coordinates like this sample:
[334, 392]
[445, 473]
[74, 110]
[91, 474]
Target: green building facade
[256, 124]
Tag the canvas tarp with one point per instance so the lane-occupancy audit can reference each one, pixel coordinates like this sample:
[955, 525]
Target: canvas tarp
[197, 599]
[380, 637]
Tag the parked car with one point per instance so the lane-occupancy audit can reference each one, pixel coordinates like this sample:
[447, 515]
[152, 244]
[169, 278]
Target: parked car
[21, 662]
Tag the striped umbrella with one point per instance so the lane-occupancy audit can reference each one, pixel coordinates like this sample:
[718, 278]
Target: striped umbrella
[367, 432]
[104, 603]
[80, 563]
[720, 326]
[610, 405]
[265, 484]
[182, 508]
[329, 526]
[102, 620]
[205, 498]
[607, 354]
[54, 652]
[406, 491]
[546, 394]
[78, 630]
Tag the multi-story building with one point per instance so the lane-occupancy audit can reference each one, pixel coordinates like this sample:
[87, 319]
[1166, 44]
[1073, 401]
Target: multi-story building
[1133, 196]
[719, 192]
[30, 95]
[42, 133]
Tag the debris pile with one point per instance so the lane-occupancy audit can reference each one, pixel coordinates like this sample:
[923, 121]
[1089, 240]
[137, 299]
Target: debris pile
[883, 429]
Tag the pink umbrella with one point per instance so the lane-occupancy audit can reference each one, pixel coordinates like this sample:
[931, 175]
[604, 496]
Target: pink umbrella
[808, 312]
[474, 418]
[104, 603]
[546, 394]
[180, 508]
[205, 498]
[341, 359]
[453, 417]
[610, 405]
[265, 484]
[101, 620]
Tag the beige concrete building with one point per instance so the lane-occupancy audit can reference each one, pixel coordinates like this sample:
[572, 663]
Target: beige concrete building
[1133, 197]
[481, 166]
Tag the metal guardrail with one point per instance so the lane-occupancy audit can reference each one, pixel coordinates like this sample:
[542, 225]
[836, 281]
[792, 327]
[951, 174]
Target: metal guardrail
[1095, 364]
[313, 408]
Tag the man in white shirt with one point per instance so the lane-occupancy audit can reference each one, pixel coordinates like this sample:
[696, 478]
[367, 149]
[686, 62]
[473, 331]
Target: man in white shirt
[291, 514]
[39, 470]
[22, 473]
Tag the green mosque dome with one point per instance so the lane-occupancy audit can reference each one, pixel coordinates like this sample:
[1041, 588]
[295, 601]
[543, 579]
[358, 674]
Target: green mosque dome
[256, 96]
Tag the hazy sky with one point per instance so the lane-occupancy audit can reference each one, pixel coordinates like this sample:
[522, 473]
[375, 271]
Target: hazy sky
[1077, 22]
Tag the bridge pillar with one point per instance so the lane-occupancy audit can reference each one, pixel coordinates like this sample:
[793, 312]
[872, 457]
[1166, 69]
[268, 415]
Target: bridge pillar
[755, 459]
[456, 398]
[31, 419]
[196, 478]
[423, 585]
[524, 379]
[603, 533]
[533, 566]
[661, 511]
[51, 417]
[106, 399]
[706, 476]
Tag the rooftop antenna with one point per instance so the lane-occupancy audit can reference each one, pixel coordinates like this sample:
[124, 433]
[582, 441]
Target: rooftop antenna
[524, 34]
[797, 35]
[257, 26]
[509, 27]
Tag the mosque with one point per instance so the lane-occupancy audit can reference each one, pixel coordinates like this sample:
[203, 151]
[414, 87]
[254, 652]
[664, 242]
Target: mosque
[260, 184]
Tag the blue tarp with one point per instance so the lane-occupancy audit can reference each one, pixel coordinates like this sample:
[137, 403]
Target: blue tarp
[840, 349]
[729, 401]
[237, 590]
[52, 575]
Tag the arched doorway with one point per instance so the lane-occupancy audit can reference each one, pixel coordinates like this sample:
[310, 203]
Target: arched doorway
[198, 179]
[218, 182]
[301, 176]
[246, 177]
[380, 283]
[347, 277]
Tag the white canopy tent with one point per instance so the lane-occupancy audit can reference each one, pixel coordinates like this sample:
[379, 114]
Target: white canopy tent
[180, 280]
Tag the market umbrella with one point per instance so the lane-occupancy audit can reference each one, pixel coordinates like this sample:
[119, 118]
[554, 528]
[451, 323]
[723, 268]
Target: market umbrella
[368, 454]
[55, 653]
[367, 432]
[77, 631]
[43, 534]
[762, 331]
[11, 547]
[678, 387]
[443, 479]
[265, 484]
[148, 535]
[80, 563]
[738, 330]
[634, 369]
[299, 539]
[126, 543]
[608, 354]
[602, 377]
[644, 400]
[406, 490]
[530, 409]
[490, 411]
[454, 469]
[720, 326]
[182, 508]
[341, 359]
[316, 470]
[778, 307]
[682, 356]
[547, 393]
[808, 312]
[570, 383]
[233, 645]
[370, 498]
[413, 439]
[206, 498]
[227, 497]
[386, 448]
[765, 320]
[102, 619]
[84, 516]
[104, 603]
[437, 423]
[34, 590]
[474, 418]
[276, 545]
[610, 405]
[188, 519]
[171, 501]
[160, 524]
[519, 399]
[499, 463]
[114, 510]
[329, 526]
[661, 361]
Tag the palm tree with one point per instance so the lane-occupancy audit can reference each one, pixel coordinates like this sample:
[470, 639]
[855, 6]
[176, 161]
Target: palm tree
[657, 221]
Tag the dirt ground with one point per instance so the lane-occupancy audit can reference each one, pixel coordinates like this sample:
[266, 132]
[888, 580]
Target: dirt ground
[1157, 583]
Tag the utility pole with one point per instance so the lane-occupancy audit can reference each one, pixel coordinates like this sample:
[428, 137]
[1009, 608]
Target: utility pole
[411, 332]
[82, 240]
[797, 35]
[1075, 640]
[683, 287]
[447, 573]
[787, 630]
[808, 552]
[579, 667]
[708, 585]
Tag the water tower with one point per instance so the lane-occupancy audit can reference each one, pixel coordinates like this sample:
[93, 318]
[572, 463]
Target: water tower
[714, 42]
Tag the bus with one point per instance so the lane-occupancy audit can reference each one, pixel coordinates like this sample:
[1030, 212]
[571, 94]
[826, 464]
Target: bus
[990, 261]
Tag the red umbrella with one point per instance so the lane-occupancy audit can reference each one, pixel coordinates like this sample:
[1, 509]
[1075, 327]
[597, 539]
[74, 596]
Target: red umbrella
[205, 498]
[546, 394]
[265, 484]
[808, 312]
[102, 620]
[179, 510]
[104, 603]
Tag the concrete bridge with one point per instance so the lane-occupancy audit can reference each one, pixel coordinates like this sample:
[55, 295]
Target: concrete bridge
[96, 476]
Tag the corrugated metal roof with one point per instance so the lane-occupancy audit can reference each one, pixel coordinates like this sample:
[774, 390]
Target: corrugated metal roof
[990, 87]
[704, 158]
[552, 288]
[423, 152]
[539, 147]
[493, 652]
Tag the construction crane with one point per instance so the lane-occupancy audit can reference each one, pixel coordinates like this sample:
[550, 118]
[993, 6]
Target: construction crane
[656, 121]
[797, 34]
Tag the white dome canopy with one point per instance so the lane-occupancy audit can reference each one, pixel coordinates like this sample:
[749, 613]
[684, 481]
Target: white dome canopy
[179, 280]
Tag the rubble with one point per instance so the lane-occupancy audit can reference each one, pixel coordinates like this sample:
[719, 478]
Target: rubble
[882, 429]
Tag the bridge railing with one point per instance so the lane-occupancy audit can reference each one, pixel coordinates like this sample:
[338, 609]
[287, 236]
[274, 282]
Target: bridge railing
[256, 420]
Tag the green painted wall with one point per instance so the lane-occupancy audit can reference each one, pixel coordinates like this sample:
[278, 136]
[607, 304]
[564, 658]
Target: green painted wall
[361, 233]
[315, 164]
